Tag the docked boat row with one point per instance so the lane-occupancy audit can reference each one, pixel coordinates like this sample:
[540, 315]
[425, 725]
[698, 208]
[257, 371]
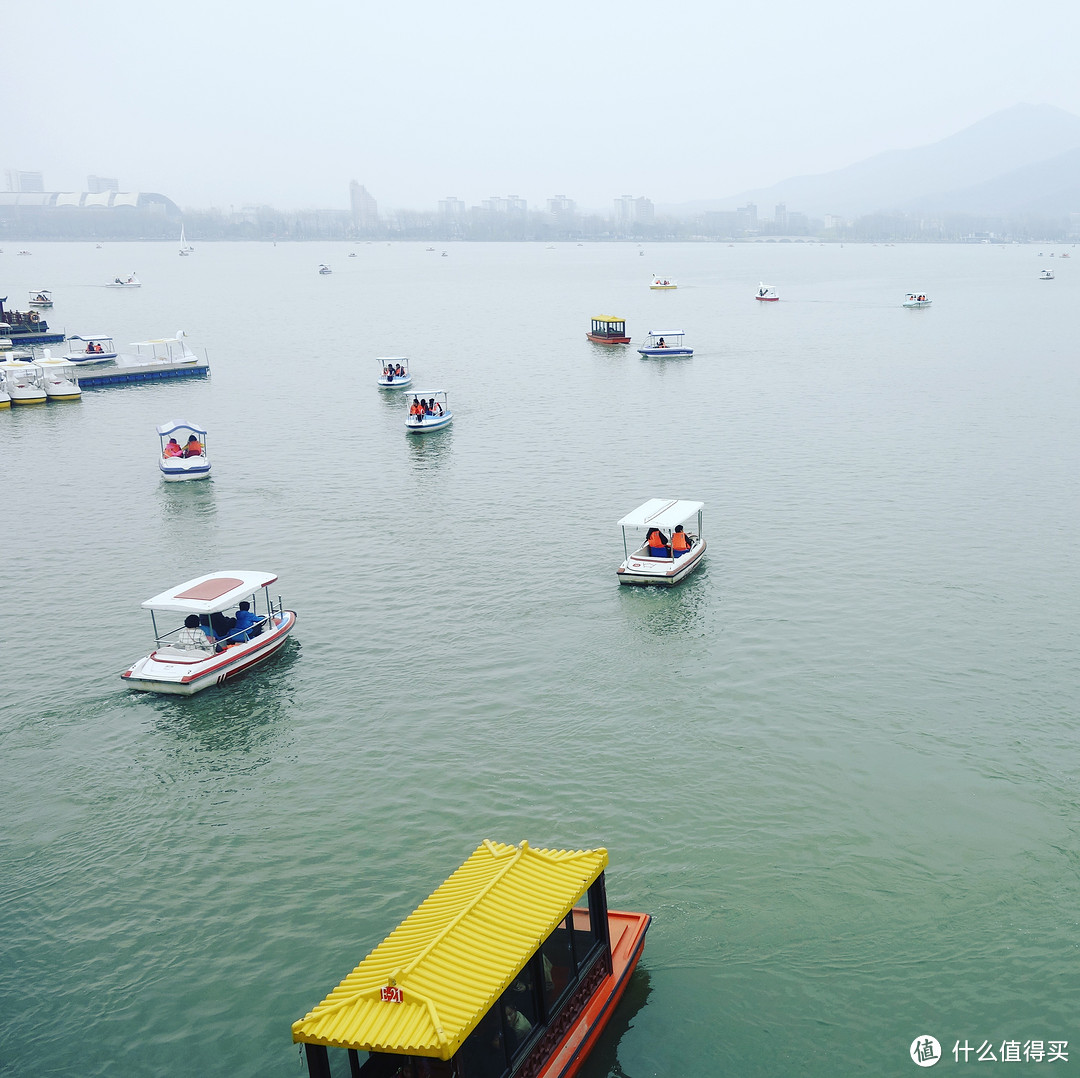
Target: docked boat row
[26, 380]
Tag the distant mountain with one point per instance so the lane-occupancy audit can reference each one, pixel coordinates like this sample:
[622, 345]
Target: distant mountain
[1013, 161]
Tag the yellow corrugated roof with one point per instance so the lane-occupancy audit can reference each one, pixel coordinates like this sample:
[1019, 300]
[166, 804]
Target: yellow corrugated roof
[454, 955]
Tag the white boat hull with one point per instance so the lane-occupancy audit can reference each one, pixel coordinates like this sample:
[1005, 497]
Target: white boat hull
[397, 383]
[666, 353]
[662, 571]
[414, 426]
[179, 469]
[178, 673]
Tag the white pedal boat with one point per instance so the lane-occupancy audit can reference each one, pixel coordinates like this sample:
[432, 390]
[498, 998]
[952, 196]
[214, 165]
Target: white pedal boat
[422, 422]
[667, 515]
[177, 467]
[182, 668]
[92, 348]
[394, 372]
[665, 344]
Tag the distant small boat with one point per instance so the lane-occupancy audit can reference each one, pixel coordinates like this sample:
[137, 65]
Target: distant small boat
[324, 269]
[41, 297]
[444, 254]
[185, 248]
[1046, 275]
[428, 411]
[130, 281]
[395, 372]
[665, 344]
[766, 294]
[917, 299]
[661, 284]
[608, 330]
[23, 252]
[184, 458]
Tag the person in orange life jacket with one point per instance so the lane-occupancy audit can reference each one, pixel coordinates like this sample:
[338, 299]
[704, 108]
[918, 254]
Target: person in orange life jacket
[432, 405]
[680, 542]
[173, 449]
[416, 410]
[657, 544]
[193, 448]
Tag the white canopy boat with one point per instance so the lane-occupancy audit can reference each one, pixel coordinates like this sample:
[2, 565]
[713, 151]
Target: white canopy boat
[428, 411]
[130, 281]
[5, 397]
[92, 348]
[663, 284]
[41, 297]
[192, 656]
[324, 269]
[917, 299]
[56, 379]
[667, 563]
[183, 452]
[665, 344]
[1046, 275]
[395, 372]
[766, 294]
[22, 381]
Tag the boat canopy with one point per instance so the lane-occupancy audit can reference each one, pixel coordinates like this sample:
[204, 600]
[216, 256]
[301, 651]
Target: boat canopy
[90, 337]
[661, 513]
[211, 593]
[666, 333]
[172, 427]
[608, 318]
[451, 959]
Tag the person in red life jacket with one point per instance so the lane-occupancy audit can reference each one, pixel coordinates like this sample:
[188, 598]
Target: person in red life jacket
[657, 544]
[680, 542]
[416, 410]
[173, 449]
[194, 447]
[432, 405]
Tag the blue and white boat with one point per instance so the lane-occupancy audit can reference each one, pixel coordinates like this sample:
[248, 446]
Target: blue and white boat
[665, 344]
[90, 348]
[434, 413]
[394, 372]
[183, 452]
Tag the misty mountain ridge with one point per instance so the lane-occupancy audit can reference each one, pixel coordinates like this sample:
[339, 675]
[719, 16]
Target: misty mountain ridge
[1024, 159]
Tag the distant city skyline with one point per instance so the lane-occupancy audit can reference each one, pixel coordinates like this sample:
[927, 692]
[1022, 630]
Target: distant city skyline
[228, 105]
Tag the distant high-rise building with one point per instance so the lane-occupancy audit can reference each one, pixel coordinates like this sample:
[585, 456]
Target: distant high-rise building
[780, 216]
[451, 207]
[365, 210]
[632, 211]
[511, 205]
[96, 185]
[24, 181]
[747, 217]
[561, 206]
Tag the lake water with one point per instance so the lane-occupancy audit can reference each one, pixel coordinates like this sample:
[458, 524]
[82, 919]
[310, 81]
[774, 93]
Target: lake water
[839, 764]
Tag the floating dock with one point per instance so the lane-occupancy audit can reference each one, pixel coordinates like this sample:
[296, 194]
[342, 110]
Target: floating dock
[130, 369]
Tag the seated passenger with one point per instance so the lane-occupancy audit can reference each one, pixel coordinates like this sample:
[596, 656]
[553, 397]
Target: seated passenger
[518, 1025]
[90, 347]
[680, 542]
[661, 344]
[416, 410]
[173, 449]
[193, 636]
[194, 447]
[247, 623]
[98, 348]
[399, 370]
[222, 627]
[434, 405]
[657, 544]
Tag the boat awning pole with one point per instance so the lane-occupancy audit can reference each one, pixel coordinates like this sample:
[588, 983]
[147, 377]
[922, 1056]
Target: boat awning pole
[626, 553]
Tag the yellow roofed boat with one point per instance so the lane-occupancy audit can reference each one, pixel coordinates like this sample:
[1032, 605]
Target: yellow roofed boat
[514, 964]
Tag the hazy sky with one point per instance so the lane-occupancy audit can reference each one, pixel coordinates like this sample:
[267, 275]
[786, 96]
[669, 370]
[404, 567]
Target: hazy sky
[235, 102]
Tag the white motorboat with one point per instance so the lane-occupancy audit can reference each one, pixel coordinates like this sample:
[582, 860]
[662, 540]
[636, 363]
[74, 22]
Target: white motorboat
[183, 452]
[663, 284]
[1046, 275]
[130, 281]
[91, 348]
[428, 411]
[766, 294]
[56, 379]
[917, 299]
[663, 520]
[665, 344]
[324, 269]
[209, 648]
[185, 247]
[394, 372]
[41, 297]
[5, 397]
[22, 381]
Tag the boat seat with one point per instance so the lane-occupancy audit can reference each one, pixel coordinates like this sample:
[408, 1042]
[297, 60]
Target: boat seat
[175, 653]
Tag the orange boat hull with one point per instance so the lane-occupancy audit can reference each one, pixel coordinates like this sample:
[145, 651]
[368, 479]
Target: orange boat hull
[627, 931]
